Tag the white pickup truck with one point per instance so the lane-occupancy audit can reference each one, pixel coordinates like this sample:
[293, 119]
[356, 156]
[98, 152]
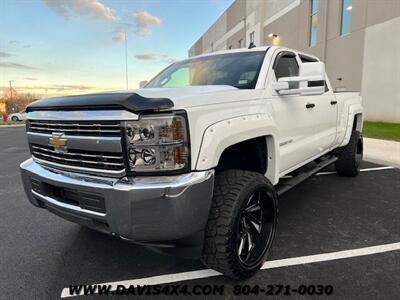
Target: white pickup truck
[193, 162]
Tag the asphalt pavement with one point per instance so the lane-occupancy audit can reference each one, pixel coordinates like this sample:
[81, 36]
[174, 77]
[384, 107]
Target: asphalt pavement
[41, 254]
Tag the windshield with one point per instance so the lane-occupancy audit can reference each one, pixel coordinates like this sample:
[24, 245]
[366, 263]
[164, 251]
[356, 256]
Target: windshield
[235, 69]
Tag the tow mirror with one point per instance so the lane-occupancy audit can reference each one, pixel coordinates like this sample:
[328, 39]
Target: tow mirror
[311, 81]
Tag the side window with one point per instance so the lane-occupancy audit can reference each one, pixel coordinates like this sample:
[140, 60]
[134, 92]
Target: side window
[287, 66]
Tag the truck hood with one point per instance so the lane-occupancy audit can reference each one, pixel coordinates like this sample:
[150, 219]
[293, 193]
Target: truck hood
[139, 100]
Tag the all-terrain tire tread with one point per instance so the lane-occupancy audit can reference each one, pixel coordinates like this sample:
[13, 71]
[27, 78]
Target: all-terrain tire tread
[217, 252]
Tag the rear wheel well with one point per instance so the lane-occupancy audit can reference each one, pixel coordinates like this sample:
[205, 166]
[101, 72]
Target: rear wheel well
[249, 155]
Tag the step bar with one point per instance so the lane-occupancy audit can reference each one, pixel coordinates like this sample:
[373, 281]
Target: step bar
[292, 182]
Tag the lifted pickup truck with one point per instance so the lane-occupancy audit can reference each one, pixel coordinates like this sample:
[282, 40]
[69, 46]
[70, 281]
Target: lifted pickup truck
[193, 162]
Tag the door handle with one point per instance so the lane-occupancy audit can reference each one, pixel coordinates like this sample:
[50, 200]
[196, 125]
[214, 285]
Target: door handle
[310, 105]
[333, 102]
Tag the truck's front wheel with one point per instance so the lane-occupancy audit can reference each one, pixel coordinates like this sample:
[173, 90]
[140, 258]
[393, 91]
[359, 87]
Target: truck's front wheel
[241, 225]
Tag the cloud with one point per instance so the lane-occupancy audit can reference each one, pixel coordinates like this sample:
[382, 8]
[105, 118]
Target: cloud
[27, 46]
[5, 54]
[154, 56]
[143, 21]
[16, 66]
[146, 56]
[119, 36]
[30, 78]
[13, 42]
[63, 87]
[92, 8]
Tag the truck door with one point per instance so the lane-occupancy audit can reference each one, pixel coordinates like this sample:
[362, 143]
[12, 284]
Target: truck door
[325, 110]
[295, 119]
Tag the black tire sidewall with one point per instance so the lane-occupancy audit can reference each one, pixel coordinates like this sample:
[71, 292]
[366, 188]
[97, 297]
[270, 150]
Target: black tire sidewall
[359, 139]
[347, 164]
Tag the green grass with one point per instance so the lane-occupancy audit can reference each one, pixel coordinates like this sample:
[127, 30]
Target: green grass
[381, 130]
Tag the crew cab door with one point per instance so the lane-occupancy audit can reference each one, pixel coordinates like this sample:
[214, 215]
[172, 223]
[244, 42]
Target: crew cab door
[295, 118]
[326, 110]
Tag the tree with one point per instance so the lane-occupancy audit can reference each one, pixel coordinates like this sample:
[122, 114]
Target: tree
[17, 101]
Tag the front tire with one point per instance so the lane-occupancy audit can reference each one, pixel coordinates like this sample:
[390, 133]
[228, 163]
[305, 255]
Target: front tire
[15, 119]
[350, 156]
[241, 225]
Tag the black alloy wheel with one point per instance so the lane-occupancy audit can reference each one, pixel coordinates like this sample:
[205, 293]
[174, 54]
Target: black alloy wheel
[255, 228]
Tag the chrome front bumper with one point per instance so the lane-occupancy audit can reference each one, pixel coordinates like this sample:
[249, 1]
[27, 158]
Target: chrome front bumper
[143, 209]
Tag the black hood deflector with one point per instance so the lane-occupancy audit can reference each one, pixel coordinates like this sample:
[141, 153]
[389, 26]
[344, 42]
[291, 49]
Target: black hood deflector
[130, 101]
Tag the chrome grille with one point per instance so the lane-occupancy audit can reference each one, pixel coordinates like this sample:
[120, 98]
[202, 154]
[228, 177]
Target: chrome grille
[79, 159]
[77, 128]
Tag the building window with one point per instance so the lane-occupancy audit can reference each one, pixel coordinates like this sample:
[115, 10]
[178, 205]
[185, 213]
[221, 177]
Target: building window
[241, 43]
[252, 38]
[347, 7]
[314, 22]
[212, 47]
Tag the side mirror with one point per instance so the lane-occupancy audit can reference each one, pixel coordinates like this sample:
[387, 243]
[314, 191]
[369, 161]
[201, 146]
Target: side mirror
[143, 83]
[309, 72]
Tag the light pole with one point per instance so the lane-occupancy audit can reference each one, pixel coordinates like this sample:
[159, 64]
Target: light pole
[126, 58]
[10, 88]
[245, 34]
[11, 95]
[122, 27]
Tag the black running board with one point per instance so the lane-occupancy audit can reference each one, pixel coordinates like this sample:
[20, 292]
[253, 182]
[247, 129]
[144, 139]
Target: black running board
[292, 182]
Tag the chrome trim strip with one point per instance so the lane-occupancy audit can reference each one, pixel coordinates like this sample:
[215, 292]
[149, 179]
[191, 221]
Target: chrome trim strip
[51, 123]
[79, 169]
[82, 115]
[78, 142]
[66, 205]
[120, 157]
[79, 137]
[172, 182]
[73, 130]
[78, 160]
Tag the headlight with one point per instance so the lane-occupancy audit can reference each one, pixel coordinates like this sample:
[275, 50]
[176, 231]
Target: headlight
[157, 143]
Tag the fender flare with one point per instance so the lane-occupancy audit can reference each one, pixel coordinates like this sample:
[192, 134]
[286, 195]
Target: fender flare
[353, 111]
[221, 135]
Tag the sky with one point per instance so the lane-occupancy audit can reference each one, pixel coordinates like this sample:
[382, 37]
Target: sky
[60, 47]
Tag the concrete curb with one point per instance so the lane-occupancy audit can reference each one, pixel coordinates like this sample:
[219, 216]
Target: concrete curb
[382, 152]
[381, 162]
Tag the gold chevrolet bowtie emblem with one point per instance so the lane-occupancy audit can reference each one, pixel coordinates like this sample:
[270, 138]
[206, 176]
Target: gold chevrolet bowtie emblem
[57, 140]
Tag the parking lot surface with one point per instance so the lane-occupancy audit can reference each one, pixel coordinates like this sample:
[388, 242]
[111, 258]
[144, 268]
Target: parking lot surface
[41, 254]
